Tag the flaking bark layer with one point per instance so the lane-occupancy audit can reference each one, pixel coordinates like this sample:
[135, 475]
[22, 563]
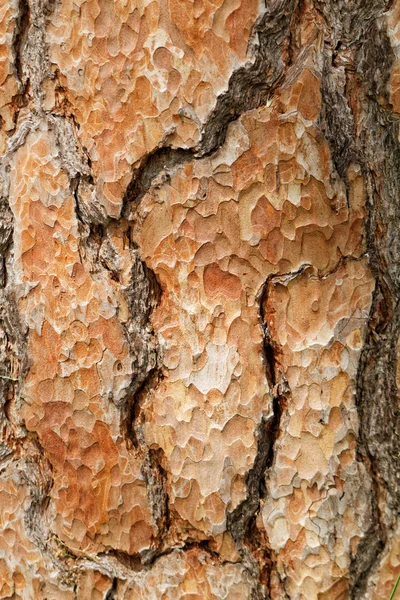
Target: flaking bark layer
[199, 284]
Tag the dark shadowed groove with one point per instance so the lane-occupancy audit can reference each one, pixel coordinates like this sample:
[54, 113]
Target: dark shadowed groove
[143, 296]
[379, 416]
[350, 24]
[250, 85]
[6, 239]
[112, 592]
[248, 88]
[21, 30]
[337, 122]
[157, 164]
[241, 521]
[21, 26]
[122, 566]
[373, 543]
[131, 562]
[156, 480]
[359, 28]
[377, 393]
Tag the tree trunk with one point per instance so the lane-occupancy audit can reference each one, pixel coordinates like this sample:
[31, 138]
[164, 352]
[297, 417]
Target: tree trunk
[200, 308]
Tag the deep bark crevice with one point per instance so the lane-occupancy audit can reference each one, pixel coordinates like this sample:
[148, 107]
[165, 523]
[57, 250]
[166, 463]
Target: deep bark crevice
[241, 522]
[143, 295]
[248, 88]
[155, 169]
[112, 592]
[156, 480]
[203, 545]
[123, 566]
[21, 29]
[337, 122]
[373, 543]
[360, 85]
[377, 394]
[250, 85]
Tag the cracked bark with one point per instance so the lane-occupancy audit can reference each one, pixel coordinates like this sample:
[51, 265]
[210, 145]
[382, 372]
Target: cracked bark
[200, 290]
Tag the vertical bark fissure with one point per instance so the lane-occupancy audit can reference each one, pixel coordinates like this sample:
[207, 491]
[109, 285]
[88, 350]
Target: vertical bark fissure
[241, 521]
[377, 394]
[112, 592]
[143, 295]
[377, 402]
[360, 38]
[21, 29]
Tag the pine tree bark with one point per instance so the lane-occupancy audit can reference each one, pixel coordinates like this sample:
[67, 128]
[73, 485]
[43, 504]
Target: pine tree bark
[199, 280]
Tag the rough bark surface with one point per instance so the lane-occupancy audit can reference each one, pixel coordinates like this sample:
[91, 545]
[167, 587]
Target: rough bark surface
[199, 285]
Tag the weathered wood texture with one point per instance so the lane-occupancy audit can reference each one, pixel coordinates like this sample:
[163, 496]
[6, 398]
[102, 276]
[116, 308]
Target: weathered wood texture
[199, 322]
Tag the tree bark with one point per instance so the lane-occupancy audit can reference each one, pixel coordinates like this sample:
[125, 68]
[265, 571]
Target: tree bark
[199, 322]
